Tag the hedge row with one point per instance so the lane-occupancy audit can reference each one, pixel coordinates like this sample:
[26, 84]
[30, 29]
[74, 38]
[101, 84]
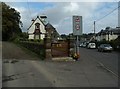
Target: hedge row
[35, 47]
[114, 44]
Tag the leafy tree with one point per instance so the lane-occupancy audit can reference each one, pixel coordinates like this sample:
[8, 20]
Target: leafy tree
[10, 23]
[24, 35]
[63, 36]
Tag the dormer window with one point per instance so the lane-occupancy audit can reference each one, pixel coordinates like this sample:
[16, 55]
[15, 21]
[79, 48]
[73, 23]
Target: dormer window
[37, 26]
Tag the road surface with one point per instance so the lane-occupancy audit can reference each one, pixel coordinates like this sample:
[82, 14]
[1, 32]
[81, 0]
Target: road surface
[23, 69]
[109, 60]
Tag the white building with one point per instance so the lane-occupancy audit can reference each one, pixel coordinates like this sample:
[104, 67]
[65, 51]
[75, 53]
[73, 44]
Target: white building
[37, 28]
[108, 34]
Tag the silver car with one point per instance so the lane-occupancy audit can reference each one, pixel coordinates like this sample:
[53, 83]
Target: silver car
[105, 47]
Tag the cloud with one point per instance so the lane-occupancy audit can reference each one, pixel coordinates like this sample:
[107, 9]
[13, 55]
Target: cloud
[60, 14]
[61, 0]
[71, 7]
[62, 11]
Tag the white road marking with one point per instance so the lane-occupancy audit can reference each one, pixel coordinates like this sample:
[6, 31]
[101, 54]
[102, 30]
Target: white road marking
[108, 69]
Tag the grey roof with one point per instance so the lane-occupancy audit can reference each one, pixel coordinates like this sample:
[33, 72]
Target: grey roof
[116, 30]
[48, 25]
[111, 30]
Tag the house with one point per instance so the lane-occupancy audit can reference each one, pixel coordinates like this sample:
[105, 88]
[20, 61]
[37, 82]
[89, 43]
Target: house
[51, 32]
[37, 28]
[108, 34]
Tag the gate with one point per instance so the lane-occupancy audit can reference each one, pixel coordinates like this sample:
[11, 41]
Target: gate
[60, 49]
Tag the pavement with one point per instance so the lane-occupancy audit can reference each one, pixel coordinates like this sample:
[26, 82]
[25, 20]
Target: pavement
[86, 72]
[62, 59]
[82, 73]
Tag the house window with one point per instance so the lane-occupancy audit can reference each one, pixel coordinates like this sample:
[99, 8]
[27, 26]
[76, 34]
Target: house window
[37, 26]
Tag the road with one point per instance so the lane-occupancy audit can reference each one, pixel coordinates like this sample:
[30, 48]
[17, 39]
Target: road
[109, 60]
[23, 69]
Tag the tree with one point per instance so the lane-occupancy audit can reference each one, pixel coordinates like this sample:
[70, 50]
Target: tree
[63, 36]
[24, 35]
[10, 22]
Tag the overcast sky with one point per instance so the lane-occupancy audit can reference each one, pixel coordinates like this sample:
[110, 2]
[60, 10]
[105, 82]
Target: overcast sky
[60, 14]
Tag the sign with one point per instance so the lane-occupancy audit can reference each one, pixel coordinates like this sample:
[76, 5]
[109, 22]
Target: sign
[77, 25]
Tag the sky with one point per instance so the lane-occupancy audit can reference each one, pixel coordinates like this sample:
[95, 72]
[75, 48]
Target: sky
[60, 14]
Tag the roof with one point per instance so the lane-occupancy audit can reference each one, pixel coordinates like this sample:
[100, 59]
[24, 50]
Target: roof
[34, 22]
[116, 31]
[113, 30]
[48, 25]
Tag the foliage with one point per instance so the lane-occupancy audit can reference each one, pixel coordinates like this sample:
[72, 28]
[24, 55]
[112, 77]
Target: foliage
[37, 48]
[10, 23]
[114, 43]
[63, 36]
[24, 35]
[76, 56]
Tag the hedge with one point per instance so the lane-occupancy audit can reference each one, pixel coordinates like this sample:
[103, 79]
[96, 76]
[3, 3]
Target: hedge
[36, 47]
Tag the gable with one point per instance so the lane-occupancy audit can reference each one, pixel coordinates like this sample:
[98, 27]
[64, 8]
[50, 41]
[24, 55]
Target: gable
[31, 29]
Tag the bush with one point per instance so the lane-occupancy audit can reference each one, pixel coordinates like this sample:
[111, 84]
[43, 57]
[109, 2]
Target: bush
[114, 43]
[34, 47]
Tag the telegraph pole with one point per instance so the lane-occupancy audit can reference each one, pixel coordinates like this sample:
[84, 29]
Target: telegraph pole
[94, 27]
[94, 30]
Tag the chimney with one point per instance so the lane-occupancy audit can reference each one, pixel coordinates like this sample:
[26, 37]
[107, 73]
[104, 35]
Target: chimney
[43, 18]
[33, 20]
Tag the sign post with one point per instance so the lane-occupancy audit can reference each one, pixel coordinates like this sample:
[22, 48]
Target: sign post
[77, 31]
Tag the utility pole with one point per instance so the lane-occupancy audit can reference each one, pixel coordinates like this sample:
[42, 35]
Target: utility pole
[94, 27]
[94, 30]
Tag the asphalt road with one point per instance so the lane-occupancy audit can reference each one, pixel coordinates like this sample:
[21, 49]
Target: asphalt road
[109, 60]
[23, 69]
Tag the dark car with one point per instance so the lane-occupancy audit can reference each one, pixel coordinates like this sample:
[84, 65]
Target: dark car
[105, 47]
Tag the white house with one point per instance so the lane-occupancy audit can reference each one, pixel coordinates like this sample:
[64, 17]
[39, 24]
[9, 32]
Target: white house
[37, 28]
[108, 34]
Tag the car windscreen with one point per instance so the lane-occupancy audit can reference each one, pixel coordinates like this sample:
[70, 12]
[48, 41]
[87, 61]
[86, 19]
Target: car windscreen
[107, 45]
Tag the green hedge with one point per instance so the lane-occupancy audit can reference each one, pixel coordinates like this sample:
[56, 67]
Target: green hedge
[113, 43]
[36, 47]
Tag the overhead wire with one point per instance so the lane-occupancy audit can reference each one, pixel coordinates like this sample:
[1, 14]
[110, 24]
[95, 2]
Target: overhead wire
[107, 14]
[29, 9]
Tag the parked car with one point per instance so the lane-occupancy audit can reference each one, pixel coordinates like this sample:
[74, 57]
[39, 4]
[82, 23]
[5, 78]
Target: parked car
[82, 45]
[91, 45]
[105, 47]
